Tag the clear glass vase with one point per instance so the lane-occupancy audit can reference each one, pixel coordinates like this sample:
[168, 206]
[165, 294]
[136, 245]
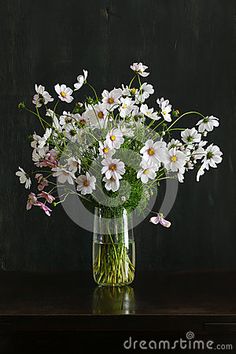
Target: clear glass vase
[113, 248]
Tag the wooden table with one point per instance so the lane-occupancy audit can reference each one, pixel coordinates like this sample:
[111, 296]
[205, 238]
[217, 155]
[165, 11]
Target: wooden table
[33, 304]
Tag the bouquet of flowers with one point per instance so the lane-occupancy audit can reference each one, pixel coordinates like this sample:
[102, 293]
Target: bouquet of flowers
[112, 146]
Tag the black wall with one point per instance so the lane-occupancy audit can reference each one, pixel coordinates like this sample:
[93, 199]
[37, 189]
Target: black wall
[189, 46]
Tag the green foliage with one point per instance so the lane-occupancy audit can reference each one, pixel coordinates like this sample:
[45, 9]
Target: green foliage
[132, 195]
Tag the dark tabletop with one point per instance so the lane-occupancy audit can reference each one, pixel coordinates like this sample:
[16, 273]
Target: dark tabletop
[73, 301]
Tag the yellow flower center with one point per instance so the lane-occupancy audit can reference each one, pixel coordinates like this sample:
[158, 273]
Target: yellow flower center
[113, 137]
[151, 151]
[145, 172]
[110, 100]
[63, 94]
[124, 105]
[105, 150]
[86, 183]
[173, 158]
[112, 167]
[100, 115]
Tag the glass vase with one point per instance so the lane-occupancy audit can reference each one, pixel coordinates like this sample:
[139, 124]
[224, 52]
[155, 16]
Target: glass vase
[113, 248]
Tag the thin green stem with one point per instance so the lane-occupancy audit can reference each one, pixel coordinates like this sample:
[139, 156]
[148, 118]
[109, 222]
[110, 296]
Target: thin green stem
[173, 129]
[38, 116]
[150, 124]
[140, 83]
[182, 115]
[54, 109]
[156, 126]
[131, 81]
[93, 89]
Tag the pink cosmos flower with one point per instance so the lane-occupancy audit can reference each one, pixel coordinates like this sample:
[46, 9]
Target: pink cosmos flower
[42, 182]
[159, 219]
[44, 207]
[50, 159]
[48, 197]
[32, 200]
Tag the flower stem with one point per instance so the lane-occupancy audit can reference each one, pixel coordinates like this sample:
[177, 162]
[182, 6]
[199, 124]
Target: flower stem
[182, 115]
[39, 117]
[131, 81]
[93, 89]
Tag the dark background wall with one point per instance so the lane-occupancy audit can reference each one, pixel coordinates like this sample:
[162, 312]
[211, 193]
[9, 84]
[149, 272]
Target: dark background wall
[189, 46]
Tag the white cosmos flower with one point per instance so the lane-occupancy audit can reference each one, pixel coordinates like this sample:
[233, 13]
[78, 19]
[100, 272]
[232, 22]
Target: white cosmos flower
[114, 139]
[166, 113]
[162, 102]
[56, 125]
[147, 171]
[50, 113]
[112, 184]
[74, 164]
[42, 96]
[97, 115]
[86, 184]
[213, 156]
[64, 93]
[199, 152]
[153, 152]
[174, 160]
[148, 112]
[180, 174]
[135, 111]
[127, 91]
[166, 108]
[63, 175]
[207, 124]
[66, 117]
[24, 179]
[39, 154]
[83, 119]
[41, 141]
[174, 143]
[113, 168]
[81, 79]
[190, 136]
[140, 95]
[105, 150]
[111, 99]
[126, 106]
[55, 122]
[126, 130]
[139, 68]
[71, 132]
[145, 91]
[34, 142]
